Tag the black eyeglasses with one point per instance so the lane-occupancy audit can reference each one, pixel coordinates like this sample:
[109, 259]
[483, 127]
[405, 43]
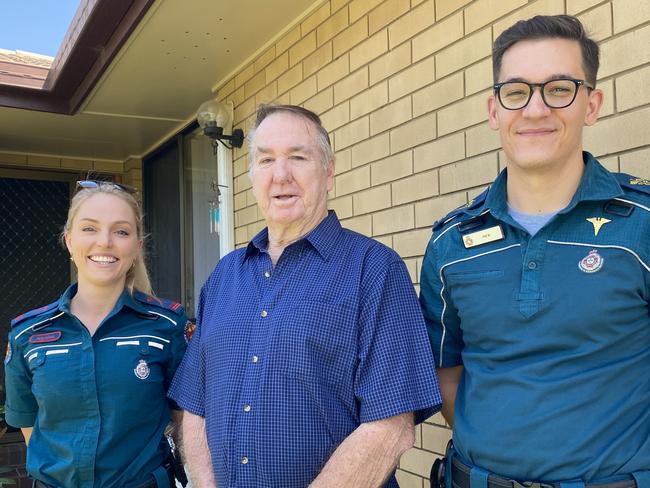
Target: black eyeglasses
[560, 93]
[97, 183]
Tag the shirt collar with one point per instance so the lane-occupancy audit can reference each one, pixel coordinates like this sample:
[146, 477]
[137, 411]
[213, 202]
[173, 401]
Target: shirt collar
[323, 238]
[125, 300]
[596, 184]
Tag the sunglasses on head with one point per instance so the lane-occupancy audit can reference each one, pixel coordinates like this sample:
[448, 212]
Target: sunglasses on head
[97, 183]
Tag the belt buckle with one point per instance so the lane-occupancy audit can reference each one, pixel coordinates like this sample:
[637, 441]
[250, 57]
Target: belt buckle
[531, 484]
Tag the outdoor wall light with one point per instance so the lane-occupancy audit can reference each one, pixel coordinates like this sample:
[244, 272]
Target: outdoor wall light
[212, 116]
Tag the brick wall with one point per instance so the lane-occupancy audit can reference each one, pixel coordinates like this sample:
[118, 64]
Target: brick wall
[401, 85]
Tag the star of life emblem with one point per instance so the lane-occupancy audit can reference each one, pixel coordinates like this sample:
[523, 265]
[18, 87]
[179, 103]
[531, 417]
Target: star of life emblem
[592, 262]
[142, 370]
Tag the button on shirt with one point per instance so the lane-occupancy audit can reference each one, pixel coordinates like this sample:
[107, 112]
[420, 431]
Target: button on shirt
[553, 332]
[97, 404]
[330, 338]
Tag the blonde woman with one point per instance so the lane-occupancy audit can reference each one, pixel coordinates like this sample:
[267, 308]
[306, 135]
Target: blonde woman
[86, 376]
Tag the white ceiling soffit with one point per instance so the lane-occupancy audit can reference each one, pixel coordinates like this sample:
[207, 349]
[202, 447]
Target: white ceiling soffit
[157, 81]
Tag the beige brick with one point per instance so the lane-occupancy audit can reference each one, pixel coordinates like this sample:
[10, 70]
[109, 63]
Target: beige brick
[468, 173]
[351, 133]
[353, 181]
[369, 49]
[238, 96]
[445, 7]
[303, 91]
[239, 201]
[371, 150]
[636, 163]
[290, 79]
[413, 133]
[240, 166]
[43, 161]
[409, 80]
[350, 37]
[361, 224]
[246, 216]
[316, 60]
[255, 84]
[250, 197]
[242, 183]
[407, 244]
[289, 39]
[302, 48]
[342, 206]
[472, 48]
[414, 21]
[632, 89]
[620, 133]
[416, 187]
[624, 52]
[129, 164]
[359, 8]
[351, 85]
[478, 77]
[264, 59]
[241, 236]
[390, 63]
[408, 480]
[390, 116]
[429, 211]
[267, 94]
[386, 13]
[598, 22]
[332, 26]
[610, 163]
[469, 111]
[243, 110]
[629, 13]
[336, 117]
[333, 72]
[396, 219]
[254, 228]
[481, 139]
[226, 89]
[439, 152]
[369, 100]
[321, 102]
[441, 93]
[391, 168]
[371, 200]
[315, 19]
[385, 240]
[244, 75]
[435, 438]
[417, 461]
[442, 34]
[482, 12]
[343, 161]
[607, 88]
[68, 163]
[337, 4]
[540, 7]
[108, 166]
[576, 6]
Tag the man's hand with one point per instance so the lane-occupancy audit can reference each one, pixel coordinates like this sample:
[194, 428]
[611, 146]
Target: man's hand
[369, 455]
[448, 379]
[196, 453]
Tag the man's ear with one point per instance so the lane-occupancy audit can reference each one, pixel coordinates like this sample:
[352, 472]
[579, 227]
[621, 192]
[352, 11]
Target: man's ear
[594, 104]
[493, 118]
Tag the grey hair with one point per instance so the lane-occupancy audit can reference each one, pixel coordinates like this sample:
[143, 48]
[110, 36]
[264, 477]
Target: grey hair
[322, 137]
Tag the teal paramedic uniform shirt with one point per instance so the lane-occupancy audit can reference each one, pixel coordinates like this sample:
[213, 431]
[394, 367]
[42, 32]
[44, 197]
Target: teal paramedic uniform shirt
[97, 404]
[553, 331]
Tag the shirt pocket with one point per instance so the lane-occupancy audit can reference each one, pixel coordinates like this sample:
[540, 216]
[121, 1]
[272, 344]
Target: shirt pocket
[53, 370]
[459, 277]
[317, 340]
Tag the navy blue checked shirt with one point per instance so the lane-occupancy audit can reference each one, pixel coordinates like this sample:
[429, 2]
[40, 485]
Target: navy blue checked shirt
[287, 361]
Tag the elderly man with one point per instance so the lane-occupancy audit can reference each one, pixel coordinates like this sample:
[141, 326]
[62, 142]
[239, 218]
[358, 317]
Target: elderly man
[310, 363]
[536, 293]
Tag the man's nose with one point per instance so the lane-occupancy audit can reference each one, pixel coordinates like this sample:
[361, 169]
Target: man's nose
[536, 106]
[281, 169]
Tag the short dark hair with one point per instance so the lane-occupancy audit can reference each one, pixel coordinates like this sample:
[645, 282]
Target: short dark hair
[322, 137]
[548, 26]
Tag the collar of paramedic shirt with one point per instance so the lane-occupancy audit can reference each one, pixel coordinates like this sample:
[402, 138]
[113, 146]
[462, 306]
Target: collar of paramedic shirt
[596, 184]
[125, 300]
[323, 238]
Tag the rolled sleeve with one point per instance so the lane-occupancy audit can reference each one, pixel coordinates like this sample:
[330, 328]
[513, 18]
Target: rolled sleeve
[396, 371]
[20, 406]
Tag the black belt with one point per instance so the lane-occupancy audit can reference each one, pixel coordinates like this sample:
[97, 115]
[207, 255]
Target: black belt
[151, 483]
[461, 479]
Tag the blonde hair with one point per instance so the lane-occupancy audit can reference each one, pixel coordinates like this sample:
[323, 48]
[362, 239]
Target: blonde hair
[137, 277]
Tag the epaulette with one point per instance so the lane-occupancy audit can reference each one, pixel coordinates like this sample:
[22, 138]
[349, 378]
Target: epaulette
[475, 202]
[633, 183]
[170, 305]
[33, 313]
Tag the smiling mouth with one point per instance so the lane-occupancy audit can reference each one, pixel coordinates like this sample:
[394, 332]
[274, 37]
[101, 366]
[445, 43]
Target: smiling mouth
[284, 198]
[103, 259]
[536, 132]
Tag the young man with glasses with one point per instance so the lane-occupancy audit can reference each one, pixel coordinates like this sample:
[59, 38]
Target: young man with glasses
[536, 292]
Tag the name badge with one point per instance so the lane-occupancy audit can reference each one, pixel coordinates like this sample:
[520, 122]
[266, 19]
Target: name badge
[483, 236]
